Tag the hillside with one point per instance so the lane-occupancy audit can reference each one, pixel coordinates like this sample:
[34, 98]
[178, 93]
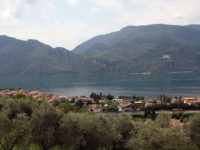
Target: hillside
[31, 57]
[134, 49]
[153, 48]
[34, 57]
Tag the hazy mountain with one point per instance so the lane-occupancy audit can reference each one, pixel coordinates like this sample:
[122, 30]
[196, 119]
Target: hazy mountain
[34, 57]
[134, 49]
[31, 57]
[155, 48]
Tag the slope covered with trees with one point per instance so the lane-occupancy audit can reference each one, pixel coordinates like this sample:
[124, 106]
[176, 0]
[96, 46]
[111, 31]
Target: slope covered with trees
[134, 49]
[17, 56]
[153, 48]
[34, 57]
[26, 124]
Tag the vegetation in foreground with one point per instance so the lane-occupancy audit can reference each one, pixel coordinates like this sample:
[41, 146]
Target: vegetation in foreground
[26, 124]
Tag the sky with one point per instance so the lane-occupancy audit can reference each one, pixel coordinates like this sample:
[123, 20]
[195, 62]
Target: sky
[67, 23]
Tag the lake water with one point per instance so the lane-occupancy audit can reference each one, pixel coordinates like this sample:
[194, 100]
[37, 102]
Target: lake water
[140, 85]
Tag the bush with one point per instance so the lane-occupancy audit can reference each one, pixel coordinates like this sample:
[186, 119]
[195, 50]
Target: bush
[25, 124]
[86, 131]
[20, 96]
[66, 107]
[111, 108]
[180, 116]
[195, 130]
[163, 120]
[149, 136]
[44, 127]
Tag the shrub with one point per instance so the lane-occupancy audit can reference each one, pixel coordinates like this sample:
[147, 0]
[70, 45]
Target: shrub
[195, 130]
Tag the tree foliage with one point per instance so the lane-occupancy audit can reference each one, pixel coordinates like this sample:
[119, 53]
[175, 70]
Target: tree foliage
[195, 130]
[44, 126]
[26, 124]
[150, 136]
[86, 131]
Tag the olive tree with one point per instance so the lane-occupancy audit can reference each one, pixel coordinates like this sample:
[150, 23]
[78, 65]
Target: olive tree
[44, 126]
[123, 126]
[12, 107]
[86, 131]
[163, 120]
[150, 136]
[195, 130]
[14, 122]
[12, 131]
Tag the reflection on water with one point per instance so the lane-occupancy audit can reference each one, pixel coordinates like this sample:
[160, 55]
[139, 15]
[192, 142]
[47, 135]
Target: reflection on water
[72, 84]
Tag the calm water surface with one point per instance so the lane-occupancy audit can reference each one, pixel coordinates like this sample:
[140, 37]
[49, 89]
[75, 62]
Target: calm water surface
[142, 85]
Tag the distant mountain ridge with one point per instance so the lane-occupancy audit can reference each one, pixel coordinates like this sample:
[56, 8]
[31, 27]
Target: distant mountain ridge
[144, 49]
[147, 49]
[30, 57]
[132, 32]
[34, 57]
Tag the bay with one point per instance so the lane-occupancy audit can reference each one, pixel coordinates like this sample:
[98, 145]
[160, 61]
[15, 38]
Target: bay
[127, 85]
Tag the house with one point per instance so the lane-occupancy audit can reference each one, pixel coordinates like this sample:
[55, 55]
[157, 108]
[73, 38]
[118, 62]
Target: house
[122, 102]
[118, 100]
[149, 102]
[139, 104]
[119, 108]
[94, 107]
[129, 108]
[175, 100]
[158, 102]
[103, 101]
[189, 100]
[85, 99]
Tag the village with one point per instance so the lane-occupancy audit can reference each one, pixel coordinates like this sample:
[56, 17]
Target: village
[108, 103]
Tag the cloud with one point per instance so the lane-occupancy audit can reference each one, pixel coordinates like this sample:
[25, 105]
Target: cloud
[137, 12]
[95, 10]
[107, 3]
[13, 8]
[57, 23]
[30, 1]
[72, 2]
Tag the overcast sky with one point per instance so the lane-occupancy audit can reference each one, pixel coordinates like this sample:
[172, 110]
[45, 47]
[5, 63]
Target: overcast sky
[67, 23]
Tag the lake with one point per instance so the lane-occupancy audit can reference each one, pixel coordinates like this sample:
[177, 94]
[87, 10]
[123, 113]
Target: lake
[140, 85]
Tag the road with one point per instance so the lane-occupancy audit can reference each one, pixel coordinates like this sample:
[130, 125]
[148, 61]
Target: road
[157, 112]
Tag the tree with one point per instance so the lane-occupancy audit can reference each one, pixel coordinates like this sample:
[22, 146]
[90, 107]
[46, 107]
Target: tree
[84, 131]
[95, 96]
[174, 138]
[163, 120]
[13, 107]
[79, 103]
[110, 97]
[14, 121]
[66, 107]
[44, 126]
[195, 130]
[150, 113]
[123, 127]
[111, 108]
[12, 131]
[150, 136]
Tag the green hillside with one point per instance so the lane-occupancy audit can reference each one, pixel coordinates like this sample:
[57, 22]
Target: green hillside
[154, 48]
[134, 49]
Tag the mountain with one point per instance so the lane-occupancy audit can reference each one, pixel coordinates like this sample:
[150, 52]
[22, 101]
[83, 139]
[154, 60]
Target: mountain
[153, 48]
[134, 49]
[34, 57]
[31, 57]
